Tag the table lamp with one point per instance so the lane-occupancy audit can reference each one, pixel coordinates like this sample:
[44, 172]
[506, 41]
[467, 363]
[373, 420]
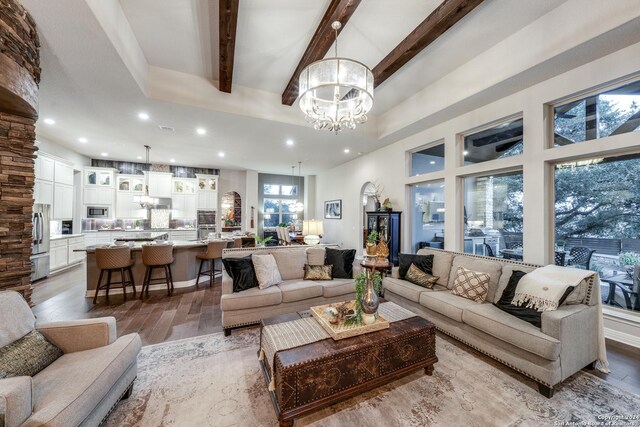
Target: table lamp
[312, 230]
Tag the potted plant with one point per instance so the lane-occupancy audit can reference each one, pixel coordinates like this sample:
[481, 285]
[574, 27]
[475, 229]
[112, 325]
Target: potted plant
[371, 243]
[628, 260]
[360, 288]
[262, 242]
[386, 205]
[560, 244]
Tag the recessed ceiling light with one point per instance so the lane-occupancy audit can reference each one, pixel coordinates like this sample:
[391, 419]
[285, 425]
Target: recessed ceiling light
[139, 157]
[346, 150]
[50, 121]
[221, 154]
[104, 154]
[172, 160]
[83, 140]
[143, 116]
[465, 152]
[201, 131]
[432, 162]
[289, 141]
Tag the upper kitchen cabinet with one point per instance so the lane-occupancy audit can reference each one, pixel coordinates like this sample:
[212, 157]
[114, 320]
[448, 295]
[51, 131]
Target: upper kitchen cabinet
[207, 192]
[100, 177]
[62, 202]
[127, 188]
[159, 184]
[44, 167]
[98, 186]
[54, 185]
[184, 198]
[63, 173]
[130, 183]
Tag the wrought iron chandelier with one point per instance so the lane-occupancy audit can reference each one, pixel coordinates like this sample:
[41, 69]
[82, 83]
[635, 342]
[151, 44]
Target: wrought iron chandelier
[336, 93]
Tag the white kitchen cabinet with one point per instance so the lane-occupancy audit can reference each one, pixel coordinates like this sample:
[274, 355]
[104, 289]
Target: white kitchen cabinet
[183, 235]
[100, 177]
[63, 173]
[183, 206]
[159, 184]
[44, 167]
[58, 254]
[207, 192]
[75, 243]
[97, 238]
[62, 202]
[43, 192]
[98, 196]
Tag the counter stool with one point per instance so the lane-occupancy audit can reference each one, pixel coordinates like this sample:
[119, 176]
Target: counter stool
[110, 260]
[157, 256]
[214, 252]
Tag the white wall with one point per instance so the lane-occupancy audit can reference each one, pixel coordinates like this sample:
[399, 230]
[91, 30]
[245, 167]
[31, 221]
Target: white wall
[49, 147]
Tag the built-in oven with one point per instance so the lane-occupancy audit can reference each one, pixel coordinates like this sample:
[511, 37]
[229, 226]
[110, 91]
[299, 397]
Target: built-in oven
[97, 212]
[206, 223]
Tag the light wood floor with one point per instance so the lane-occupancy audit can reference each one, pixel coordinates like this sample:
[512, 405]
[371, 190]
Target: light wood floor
[191, 312]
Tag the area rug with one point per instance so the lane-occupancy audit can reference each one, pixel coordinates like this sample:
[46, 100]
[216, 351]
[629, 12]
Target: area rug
[215, 380]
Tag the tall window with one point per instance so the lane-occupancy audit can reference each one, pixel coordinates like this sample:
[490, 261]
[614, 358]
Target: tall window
[597, 223]
[427, 215]
[609, 113]
[427, 160]
[278, 200]
[497, 142]
[493, 215]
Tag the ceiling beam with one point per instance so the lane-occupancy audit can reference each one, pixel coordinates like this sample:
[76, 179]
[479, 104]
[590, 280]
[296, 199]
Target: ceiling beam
[228, 22]
[440, 20]
[338, 10]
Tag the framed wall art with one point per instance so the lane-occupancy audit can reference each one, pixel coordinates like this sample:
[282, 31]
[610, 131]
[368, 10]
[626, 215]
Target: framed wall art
[333, 209]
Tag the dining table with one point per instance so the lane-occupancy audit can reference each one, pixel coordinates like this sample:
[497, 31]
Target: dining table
[515, 254]
[620, 280]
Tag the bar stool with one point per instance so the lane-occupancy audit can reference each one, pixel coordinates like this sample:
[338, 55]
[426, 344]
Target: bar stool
[155, 256]
[237, 242]
[110, 260]
[214, 252]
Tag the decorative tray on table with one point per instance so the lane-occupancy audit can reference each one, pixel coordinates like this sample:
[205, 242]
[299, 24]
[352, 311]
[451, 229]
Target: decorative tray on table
[341, 330]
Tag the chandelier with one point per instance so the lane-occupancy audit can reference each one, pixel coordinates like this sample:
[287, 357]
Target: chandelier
[298, 206]
[336, 93]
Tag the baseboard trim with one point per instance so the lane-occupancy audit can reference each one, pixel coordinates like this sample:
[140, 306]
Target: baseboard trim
[622, 337]
[156, 287]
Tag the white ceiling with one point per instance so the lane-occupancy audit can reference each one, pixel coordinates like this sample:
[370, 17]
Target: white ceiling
[90, 92]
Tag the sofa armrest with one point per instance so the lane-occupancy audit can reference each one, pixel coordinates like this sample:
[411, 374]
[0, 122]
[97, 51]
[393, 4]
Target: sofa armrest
[357, 269]
[227, 283]
[395, 272]
[79, 335]
[576, 327]
[16, 400]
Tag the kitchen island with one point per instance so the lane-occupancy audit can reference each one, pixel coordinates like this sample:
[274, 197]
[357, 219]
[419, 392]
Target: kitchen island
[142, 237]
[184, 267]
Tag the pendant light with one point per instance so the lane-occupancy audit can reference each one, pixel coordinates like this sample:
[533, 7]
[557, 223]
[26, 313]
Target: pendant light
[298, 206]
[145, 201]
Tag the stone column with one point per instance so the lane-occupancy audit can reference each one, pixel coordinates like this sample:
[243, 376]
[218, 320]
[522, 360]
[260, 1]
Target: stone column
[19, 78]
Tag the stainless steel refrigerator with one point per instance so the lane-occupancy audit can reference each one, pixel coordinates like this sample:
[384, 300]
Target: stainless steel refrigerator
[40, 241]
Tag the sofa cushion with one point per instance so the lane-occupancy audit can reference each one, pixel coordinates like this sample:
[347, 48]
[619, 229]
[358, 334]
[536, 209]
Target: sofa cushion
[337, 287]
[290, 263]
[68, 390]
[422, 262]
[18, 321]
[492, 268]
[446, 304]
[27, 356]
[505, 276]
[251, 298]
[470, 284]
[442, 262]
[342, 261]
[493, 321]
[242, 272]
[315, 255]
[297, 290]
[266, 270]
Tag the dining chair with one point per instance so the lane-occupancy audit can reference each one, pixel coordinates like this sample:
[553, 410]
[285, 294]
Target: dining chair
[489, 250]
[558, 258]
[580, 257]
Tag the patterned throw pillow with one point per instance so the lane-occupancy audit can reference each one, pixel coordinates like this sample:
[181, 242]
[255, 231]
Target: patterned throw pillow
[420, 278]
[27, 356]
[266, 270]
[472, 285]
[318, 272]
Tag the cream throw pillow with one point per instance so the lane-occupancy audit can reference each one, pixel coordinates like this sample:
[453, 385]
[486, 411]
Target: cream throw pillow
[472, 285]
[266, 270]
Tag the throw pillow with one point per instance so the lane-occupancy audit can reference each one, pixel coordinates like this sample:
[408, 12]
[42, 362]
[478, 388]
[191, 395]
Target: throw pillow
[423, 262]
[472, 285]
[242, 272]
[317, 272]
[529, 315]
[342, 261]
[266, 270]
[420, 278]
[27, 356]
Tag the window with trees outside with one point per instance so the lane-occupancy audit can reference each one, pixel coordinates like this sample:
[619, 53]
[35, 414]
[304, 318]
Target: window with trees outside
[496, 142]
[613, 112]
[277, 203]
[493, 208]
[427, 160]
[597, 225]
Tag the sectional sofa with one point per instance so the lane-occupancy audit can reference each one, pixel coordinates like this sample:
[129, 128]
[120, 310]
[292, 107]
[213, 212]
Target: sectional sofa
[566, 342]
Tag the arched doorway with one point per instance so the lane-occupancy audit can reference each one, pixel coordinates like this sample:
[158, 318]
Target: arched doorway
[367, 204]
[231, 214]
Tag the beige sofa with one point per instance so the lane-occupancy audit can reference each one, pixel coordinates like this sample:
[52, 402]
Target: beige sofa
[566, 342]
[82, 386]
[292, 295]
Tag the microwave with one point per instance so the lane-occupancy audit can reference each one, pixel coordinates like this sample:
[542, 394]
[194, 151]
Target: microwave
[97, 212]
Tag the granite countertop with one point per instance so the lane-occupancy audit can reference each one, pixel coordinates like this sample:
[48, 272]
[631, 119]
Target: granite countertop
[140, 230]
[144, 236]
[137, 246]
[63, 236]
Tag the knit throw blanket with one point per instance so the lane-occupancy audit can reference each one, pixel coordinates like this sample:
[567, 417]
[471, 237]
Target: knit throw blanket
[542, 288]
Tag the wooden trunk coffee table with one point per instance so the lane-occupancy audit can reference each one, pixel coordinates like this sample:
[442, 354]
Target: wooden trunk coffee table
[321, 373]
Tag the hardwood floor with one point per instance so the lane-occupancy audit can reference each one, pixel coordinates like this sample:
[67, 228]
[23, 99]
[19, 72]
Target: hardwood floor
[191, 312]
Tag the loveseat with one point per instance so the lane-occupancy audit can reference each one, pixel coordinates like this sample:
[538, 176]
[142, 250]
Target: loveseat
[566, 342]
[292, 295]
[81, 387]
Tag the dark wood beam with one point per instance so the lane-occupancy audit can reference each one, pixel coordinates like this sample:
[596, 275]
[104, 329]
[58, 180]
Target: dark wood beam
[228, 22]
[323, 38]
[440, 20]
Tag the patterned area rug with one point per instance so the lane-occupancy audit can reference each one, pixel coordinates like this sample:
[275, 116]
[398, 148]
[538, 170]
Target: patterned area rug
[217, 381]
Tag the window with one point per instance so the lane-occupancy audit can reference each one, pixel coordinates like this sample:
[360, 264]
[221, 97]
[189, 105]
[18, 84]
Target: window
[427, 160]
[609, 113]
[278, 209]
[427, 215]
[497, 142]
[597, 205]
[493, 215]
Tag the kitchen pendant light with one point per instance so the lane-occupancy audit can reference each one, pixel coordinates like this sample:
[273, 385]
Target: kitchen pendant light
[298, 206]
[145, 201]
